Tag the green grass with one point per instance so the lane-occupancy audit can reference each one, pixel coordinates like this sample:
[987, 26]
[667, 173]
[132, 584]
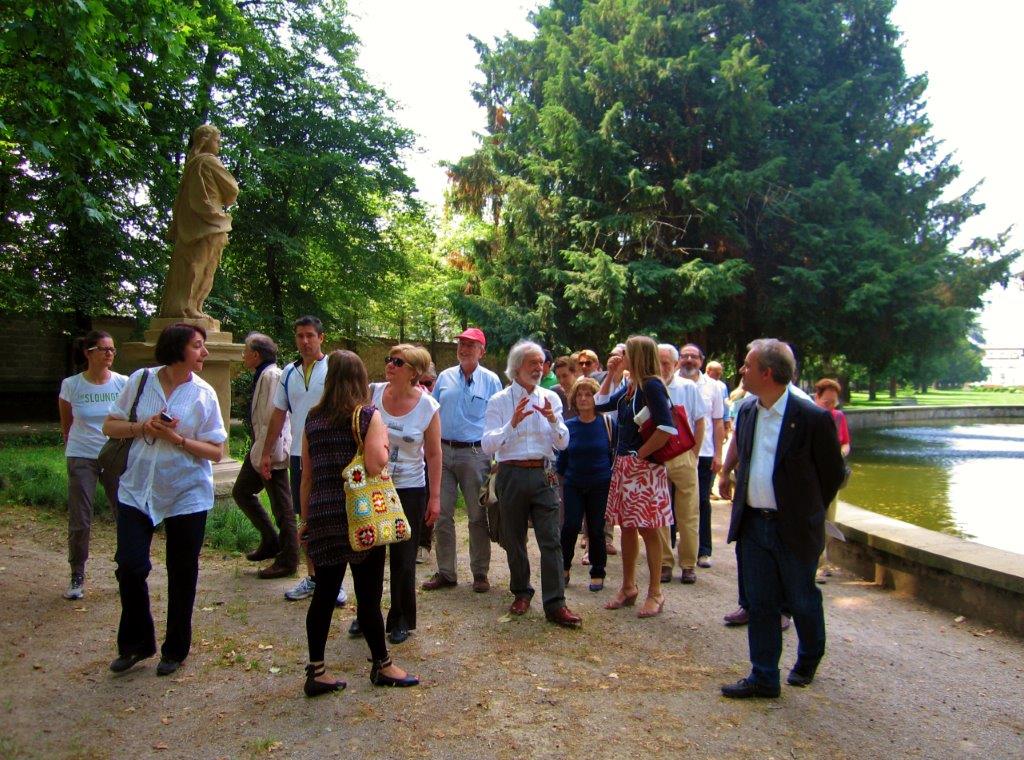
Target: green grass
[980, 397]
[37, 476]
[227, 529]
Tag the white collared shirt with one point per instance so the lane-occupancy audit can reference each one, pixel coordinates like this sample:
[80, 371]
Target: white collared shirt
[684, 392]
[767, 426]
[534, 437]
[162, 480]
[711, 391]
[294, 396]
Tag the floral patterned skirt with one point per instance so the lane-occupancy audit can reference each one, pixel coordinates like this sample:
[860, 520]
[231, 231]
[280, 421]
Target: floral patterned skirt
[639, 495]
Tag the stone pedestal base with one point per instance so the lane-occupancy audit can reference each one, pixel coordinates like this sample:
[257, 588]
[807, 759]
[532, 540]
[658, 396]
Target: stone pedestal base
[216, 371]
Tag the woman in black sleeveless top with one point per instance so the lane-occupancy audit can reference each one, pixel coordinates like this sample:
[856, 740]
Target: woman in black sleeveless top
[327, 448]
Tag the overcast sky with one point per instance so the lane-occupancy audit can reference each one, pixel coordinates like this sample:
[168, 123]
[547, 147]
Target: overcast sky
[419, 52]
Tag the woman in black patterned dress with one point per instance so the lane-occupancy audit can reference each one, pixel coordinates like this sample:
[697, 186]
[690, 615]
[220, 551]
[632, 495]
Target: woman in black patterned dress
[327, 448]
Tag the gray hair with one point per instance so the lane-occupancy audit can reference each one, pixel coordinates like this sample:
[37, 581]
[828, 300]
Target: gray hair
[263, 345]
[672, 350]
[517, 355]
[776, 356]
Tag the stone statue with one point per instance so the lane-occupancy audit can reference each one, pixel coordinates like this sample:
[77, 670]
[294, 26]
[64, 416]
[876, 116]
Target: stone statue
[199, 227]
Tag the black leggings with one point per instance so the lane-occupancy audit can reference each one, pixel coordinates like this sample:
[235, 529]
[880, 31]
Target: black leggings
[368, 579]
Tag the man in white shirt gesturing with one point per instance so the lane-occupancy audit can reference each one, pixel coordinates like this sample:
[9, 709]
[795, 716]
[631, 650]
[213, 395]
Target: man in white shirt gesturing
[522, 429]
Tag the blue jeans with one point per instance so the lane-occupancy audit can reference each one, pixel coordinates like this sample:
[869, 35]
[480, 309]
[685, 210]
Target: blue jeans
[774, 578]
[705, 477]
[588, 501]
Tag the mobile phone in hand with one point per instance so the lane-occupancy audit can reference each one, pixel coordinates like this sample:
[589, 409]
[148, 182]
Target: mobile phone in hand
[166, 417]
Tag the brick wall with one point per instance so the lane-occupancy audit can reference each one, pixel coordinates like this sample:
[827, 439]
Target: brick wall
[37, 356]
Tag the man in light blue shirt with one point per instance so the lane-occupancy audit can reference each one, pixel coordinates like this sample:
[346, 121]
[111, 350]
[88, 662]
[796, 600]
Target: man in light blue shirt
[463, 392]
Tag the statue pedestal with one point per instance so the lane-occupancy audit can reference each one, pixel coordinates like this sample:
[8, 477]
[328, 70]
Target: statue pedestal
[216, 371]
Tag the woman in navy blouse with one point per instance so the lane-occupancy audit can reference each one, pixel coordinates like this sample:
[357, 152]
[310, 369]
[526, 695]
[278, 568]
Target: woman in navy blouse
[638, 497]
[586, 467]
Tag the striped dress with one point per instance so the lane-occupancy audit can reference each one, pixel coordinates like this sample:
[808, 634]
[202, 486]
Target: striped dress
[331, 448]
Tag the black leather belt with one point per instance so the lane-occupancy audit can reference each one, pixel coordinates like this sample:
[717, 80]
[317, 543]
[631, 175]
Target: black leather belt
[767, 514]
[460, 444]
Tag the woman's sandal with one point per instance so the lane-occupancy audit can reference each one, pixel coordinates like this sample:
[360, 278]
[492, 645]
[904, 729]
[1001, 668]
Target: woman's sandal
[377, 678]
[596, 584]
[313, 687]
[622, 600]
[646, 613]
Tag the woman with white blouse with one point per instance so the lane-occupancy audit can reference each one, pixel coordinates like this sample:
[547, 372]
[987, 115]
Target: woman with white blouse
[84, 402]
[169, 480]
[414, 434]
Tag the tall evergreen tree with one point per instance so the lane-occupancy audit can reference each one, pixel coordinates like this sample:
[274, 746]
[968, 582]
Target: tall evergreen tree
[718, 170]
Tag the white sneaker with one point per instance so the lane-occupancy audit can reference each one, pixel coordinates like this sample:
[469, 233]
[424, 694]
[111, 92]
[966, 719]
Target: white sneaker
[76, 589]
[703, 561]
[342, 598]
[302, 590]
[421, 555]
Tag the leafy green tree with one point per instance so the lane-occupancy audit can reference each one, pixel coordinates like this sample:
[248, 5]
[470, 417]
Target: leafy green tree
[719, 171]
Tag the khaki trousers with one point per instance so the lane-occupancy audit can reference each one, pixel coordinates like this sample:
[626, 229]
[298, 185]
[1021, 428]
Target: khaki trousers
[682, 471]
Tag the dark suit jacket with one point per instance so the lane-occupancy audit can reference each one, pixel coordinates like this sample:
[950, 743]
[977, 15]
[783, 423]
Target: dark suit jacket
[808, 472]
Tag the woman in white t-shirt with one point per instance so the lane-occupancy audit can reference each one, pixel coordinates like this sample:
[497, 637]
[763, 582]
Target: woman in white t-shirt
[414, 430]
[85, 400]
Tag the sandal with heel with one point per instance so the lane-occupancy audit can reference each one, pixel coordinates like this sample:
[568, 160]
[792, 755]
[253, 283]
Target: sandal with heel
[645, 613]
[622, 600]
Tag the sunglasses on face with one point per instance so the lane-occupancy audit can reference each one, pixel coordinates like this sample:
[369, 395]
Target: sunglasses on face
[585, 362]
[105, 349]
[398, 361]
[427, 383]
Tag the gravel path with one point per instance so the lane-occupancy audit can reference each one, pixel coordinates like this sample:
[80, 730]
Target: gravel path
[900, 679]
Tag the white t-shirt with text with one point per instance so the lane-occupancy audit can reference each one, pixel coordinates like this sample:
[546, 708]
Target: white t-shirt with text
[405, 436]
[90, 405]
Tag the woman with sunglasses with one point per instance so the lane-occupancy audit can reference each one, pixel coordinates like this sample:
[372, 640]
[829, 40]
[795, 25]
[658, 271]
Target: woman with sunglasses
[85, 400]
[414, 435]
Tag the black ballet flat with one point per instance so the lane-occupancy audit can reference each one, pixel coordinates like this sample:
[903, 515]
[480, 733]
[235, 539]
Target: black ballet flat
[354, 630]
[379, 679]
[313, 687]
[128, 661]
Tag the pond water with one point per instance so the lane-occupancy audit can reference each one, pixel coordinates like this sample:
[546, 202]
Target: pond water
[964, 478]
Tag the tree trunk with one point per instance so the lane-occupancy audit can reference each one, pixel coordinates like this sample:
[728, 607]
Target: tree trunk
[872, 388]
[276, 289]
[892, 387]
[844, 384]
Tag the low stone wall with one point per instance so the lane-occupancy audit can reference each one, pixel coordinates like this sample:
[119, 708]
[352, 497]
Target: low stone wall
[894, 415]
[964, 577]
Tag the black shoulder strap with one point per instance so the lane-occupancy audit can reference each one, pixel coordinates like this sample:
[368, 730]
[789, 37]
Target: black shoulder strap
[138, 394]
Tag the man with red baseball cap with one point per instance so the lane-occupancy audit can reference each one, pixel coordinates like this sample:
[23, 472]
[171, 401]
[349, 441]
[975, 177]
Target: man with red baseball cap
[463, 392]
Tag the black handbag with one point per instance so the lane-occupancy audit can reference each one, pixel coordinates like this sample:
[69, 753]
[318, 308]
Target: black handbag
[113, 457]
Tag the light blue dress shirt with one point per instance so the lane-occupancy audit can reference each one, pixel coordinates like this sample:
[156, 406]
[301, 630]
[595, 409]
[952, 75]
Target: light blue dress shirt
[463, 405]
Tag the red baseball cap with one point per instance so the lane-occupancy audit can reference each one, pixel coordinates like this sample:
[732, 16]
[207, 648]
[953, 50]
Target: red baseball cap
[474, 333]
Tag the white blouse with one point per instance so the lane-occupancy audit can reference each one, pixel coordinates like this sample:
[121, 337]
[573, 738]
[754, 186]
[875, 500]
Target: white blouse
[162, 480]
[405, 436]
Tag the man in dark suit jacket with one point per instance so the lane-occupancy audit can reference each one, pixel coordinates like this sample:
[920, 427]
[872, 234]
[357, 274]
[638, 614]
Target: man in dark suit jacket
[788, 469]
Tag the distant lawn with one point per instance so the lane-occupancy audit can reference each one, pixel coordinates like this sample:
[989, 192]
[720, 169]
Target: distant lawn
[1007, 397]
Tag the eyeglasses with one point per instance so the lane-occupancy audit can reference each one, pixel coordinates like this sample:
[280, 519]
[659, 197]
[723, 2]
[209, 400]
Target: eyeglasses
[105, 349]
[585, 362]
[427, 383]
[689, 356]
[398, 361]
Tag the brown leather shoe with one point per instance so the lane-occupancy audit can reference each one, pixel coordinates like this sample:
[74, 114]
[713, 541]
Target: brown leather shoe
[519, 606]
[738, 617]
[688, 575]
[275, 571]
[666, 574]
[565, 617]
[262, 552]
[437, 581]
[480, 584]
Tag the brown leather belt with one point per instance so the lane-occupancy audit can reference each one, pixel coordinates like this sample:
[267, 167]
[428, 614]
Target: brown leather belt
[529, 463]
[460, 444]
